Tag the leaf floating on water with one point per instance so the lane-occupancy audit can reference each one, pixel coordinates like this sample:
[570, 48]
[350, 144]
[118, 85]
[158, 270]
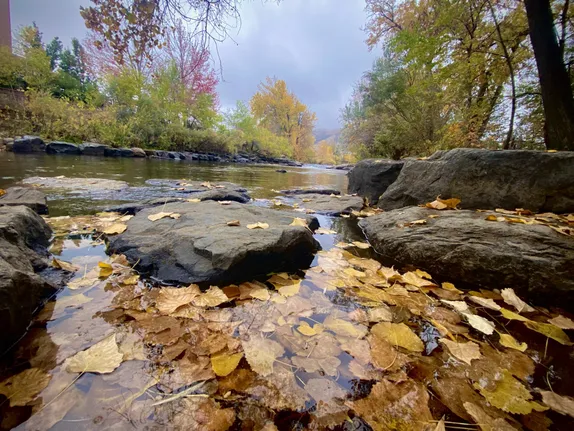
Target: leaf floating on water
[559, 403]
[549, 331]
[324, 390]
[115, 229]
[103, 357]
[465, 352]
[484, 421]
[361, 245]
[25, 386]
[480, 323]
[324, 231]
[344, 328]
[226, 363]
[290, 290]
[511, 299]
[66, 266]
[212, 298]
[305, 329]
[105, 269]
[510, 396]
[234, 223]
[398, 334]
[562, 322]
[312, 365]
[258, 225]
[509, 341]
[171, 298]
[160, 215]
[299, 222]
[510, 315]
[260, 293]
[485, 302]
[261, 354]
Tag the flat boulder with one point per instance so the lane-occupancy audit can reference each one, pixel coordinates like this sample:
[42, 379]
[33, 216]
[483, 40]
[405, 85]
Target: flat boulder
[314, 190]
[198, 246]
[24, 236]
[27, 196]
[205, 190]
[118, 152]
[29, 144]
[76, 184]
[92, 149]
[370, 178]
[487, 179]
[330, 205]
[464, 248]
[57, 147]
[138, 152]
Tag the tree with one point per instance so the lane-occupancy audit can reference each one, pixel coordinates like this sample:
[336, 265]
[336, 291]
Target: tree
[54, 51]
[325, 152]
[555, 83]
[281, 112]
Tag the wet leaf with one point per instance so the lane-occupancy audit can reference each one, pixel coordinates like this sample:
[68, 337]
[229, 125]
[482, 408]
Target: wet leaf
[486, 422]
[450, 287]
[398, 334]
[299, 222]
[511, 299]
[324, 390]
[114, 229]
[234, 223]
[465, 352]
[290, 290]
[479, 323]
[510, 395]
[309, 331]
[549, 331]
[103, 357]
[311, 365]
[562, 322]
[260, 293]
[457, 305]
[202, 414]
[361, 245]
[224, 364]
[510, 315]
[105, 269]
[509, 341]
[212, 298]
[344, 328]
[171, 298]
[66, 266]
[485, 302]
[440, 426]
[258, 225]
[25, 386]
[558, 403]
[323, 231]
[261, 354]
[160, 215]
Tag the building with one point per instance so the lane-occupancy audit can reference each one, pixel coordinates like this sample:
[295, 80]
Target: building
[5, 27]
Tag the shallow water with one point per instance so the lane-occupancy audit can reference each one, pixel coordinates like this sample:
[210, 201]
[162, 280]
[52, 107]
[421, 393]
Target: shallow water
[319, 380]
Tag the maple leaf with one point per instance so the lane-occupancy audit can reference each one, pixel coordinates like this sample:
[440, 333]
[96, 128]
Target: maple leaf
[465, 352]
[261, 354]
[398, 334]
[25, 386]
[103, 357]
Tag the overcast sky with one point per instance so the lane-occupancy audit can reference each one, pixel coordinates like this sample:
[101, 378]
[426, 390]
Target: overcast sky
[316, 46]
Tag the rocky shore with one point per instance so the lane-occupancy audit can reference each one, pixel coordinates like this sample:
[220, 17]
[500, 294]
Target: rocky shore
[35, 144]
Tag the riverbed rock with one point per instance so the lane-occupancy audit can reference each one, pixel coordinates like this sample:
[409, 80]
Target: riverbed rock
[76, 184]
[330, 205]
[29, 144]
[24, 236]
[92, 149]
[314, 190]
[486, 179]
[199, 246]
[464, 248]
[118, 152]
[370, 178]
[57, 147]
[138, 152]
[27, 196]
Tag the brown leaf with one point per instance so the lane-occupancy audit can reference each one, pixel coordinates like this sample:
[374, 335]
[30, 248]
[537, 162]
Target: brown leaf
[66, 266]
[324, 390]
[261, 354]
[486, 422]
[562, 322]
[234, 223]
[465, 352]
[559, 403]
[171, 298]
[212, 298]
[25, 386]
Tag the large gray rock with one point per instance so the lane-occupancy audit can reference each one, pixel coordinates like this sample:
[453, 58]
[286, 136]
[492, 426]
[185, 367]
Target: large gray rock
[314, 190]
[76, 184]
[118, 152]
[486, 179]
[93, 149]
[62, 148]
[138, 152]
[370, 178]
[27, 196]
[331, 205]
[24, 237]
[199, 246]
[464, 248]
[29, 144]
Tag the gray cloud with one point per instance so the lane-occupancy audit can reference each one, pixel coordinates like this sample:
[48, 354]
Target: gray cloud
[316, 46]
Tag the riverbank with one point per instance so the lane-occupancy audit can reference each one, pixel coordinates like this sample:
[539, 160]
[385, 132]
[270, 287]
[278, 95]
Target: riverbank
[35, 144]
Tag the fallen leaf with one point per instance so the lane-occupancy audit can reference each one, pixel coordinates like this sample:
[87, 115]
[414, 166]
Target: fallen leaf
[510, 395]
[105, 269]
[323, 231]
[457, 305]
[171, 298]
[328, 365]
[193, 200]
[479, 323]
[290, 290]
[398, 334]
[443, 204]
[343, 245]
[562, 322]
[416, 222]
[25, 386]
[486, 422]
[465, 352]
[559, 403]
[103, 357]
[440, 426]
[549, 331]
[261, 354]
[485, 302]
[260, 293]
[512, 299]
[66, 266]
[160, 215]
[299, 222]
[258, 225]
[225, 364]
[114, 229]
[361, 245]
[344, 328]
[234, 223]
[509, 341]
[305, 329]
[324, 390]
[510, 315]
[212, 298]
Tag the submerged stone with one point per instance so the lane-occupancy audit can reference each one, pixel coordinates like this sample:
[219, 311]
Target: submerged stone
[199, 246]
[77, 184]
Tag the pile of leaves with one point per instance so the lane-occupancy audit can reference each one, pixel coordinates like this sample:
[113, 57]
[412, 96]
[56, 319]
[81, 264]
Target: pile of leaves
[347, 342]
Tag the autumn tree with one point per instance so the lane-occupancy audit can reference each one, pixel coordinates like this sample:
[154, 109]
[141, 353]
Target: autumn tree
[280, 111]
[325, 152]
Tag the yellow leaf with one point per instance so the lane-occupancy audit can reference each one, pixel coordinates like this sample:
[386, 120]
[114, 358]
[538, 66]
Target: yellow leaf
[479, 323]
[509, 341]
[171, 298]
[354, 273]
[512, 299]
[423, 274]
[510, 315]
[299, 222]
[234, 223]
[105, 269]
[416, 222]
[103, 357]
[305, 329]
[361, 245]
[550, 331]
[130, 281]
[290, 290]
[212, 298]
[260, 293]
[193, 200]
[398, 334]
[344, 328]
[160, 215]
[261, 354]
[465, 352]
[25, 386]
[115, 229]
[323, 231]
[343, 245]
[66, 266]
[2, 192]
[510, 396]
[224, 364]
[258, 225]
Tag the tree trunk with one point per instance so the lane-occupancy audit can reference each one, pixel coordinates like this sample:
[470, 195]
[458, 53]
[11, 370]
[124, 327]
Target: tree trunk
[554, 81]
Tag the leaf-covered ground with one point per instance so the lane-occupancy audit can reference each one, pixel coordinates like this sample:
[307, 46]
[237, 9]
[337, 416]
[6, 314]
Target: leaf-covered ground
[347, 344]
